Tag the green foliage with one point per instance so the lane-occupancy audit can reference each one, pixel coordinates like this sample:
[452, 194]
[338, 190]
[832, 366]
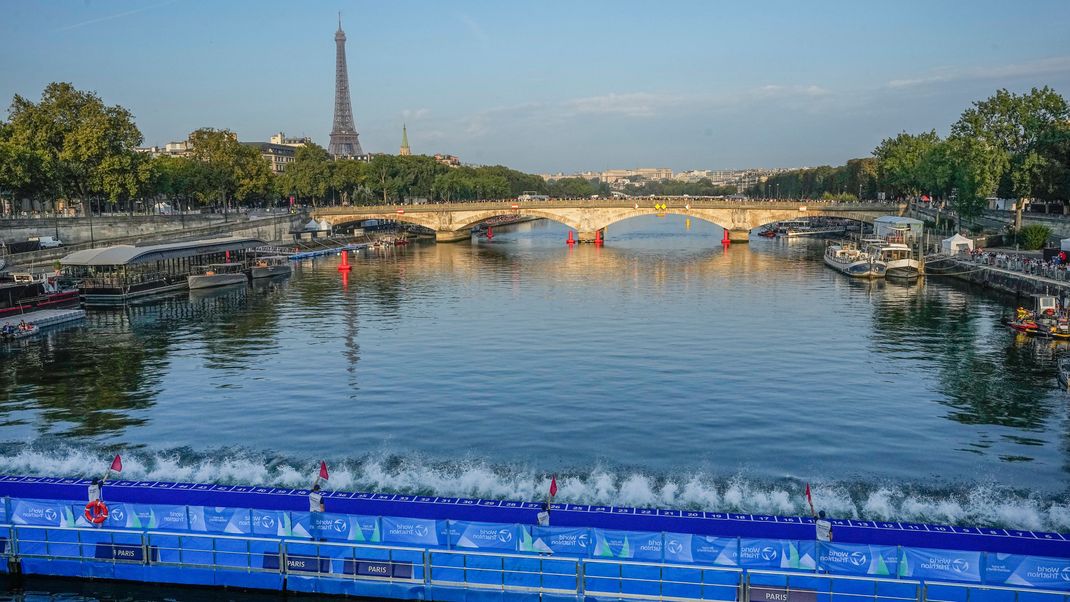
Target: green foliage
[703, 187]
[1034, 236]
[900, 161]
[997, 145]
[228, 170]
[71, 145]
[572, 188]
[857, 174]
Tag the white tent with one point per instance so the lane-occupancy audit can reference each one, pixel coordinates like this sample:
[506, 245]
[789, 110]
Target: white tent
[325, 226]
[1064, 244]
[956, 244]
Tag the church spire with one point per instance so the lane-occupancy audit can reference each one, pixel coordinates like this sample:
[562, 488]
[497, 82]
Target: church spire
[405, 150]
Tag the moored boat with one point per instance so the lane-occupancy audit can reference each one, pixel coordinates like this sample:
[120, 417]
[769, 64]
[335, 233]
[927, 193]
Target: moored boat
[271, 265]
[899, 258]
[218, 274]
[23, 293]
[846, 257]
[1064, 373]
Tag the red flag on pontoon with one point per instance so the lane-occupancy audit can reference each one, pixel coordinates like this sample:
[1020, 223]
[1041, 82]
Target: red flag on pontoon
[809, 500]
[117, 464]
[323, 470]
[553, 486]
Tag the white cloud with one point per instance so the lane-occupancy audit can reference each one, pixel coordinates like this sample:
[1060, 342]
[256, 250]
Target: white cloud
[635, 104]
[1047, 66]
[415, 114]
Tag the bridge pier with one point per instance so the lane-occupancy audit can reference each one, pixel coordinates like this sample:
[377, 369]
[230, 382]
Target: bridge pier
[452, 235]
[739, 235]
[588, 236]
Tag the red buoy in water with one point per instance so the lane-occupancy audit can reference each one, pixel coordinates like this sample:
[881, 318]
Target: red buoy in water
[725, 240]
[490, 233]
[570, 241]
[344, 266]
[598, 238]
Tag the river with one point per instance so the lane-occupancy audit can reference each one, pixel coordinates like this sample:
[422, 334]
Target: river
[659, 370]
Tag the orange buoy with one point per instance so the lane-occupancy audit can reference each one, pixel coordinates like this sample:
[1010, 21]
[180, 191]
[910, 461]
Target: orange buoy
[96, 512]
[344, 266]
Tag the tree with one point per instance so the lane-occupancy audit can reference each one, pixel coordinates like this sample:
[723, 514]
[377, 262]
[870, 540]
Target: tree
[176, 178]
[229, 169]
[572, 187]
[996, 144]
[349, 177]
[310, 174]
[84, 148]
[900, 159]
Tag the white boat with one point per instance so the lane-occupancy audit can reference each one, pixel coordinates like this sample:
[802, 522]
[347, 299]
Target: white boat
[218, 274]
[271, 265]
[846, 257]
[899, 258]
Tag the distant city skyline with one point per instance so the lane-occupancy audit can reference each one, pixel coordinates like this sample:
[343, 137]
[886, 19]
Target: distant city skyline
[548, 87]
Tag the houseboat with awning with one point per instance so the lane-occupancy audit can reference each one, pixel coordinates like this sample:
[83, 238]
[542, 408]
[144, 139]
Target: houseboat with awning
[118, 274]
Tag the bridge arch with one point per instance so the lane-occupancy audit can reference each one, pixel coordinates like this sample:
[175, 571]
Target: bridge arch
[414, 219]
[468, 221]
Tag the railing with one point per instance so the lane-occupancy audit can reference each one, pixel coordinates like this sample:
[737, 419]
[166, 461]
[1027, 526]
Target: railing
[782, 586]
[287, 563]
[643, 202]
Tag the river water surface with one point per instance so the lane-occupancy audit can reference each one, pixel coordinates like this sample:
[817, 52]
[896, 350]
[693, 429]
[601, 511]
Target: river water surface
[659, 370]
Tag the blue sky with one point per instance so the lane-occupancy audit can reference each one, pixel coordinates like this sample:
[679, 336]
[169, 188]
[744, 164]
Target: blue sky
[548, 86]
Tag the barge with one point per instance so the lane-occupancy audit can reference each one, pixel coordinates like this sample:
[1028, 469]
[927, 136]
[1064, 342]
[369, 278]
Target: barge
[443, 548]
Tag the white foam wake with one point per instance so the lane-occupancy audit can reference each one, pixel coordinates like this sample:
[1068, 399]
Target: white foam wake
[973, 504]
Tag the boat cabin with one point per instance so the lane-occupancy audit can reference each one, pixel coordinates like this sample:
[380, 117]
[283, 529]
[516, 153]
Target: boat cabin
[115, 275]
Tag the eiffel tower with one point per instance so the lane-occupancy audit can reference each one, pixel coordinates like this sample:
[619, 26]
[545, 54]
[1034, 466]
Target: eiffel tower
[344, 142]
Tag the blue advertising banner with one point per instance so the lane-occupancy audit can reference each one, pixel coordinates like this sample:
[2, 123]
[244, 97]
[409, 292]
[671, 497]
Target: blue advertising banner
[778, 554]
[412, 530]
[220, 520]
[858, 559]
[137, 516]
[945, 565]
[338, 527]
[155, 516]
[558, 540]
[705, 549]
[50, 513]
[641, 545]
[1028, 571]
[271, 522]
[483, 536]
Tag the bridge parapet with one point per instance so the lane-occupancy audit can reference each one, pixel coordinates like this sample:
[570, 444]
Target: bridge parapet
[451, 221]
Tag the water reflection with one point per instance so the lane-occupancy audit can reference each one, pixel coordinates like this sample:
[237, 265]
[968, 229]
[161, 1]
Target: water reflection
[661, 351]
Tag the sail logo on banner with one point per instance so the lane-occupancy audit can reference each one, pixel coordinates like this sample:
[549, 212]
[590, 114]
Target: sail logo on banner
[1029, 571]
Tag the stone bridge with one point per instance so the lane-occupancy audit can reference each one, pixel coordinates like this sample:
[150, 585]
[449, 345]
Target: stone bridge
[453, 221]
